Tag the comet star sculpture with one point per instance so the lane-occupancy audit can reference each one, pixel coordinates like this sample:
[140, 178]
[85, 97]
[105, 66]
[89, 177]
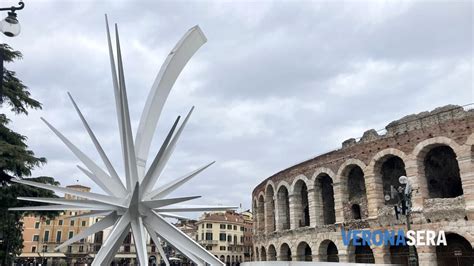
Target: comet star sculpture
[135, 205]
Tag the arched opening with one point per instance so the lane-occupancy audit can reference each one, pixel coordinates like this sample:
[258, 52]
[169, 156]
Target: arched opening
[261, 214]
[360, 253]
[222, 258]
[324, 193]
[263, 254]
[400, 254]
[270, 210]
[272, 255]
[285, 252]
[442, 173]
[356, 192]
[301, 204]
[303, 252]
[257, 257]
[228, 260]
[391, 170]
[457, 252]
[283, 203]
[355, 210]
[328, 251]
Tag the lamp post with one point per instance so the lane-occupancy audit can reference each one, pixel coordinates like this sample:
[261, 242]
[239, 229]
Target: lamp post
[403, 207]
[11, 28]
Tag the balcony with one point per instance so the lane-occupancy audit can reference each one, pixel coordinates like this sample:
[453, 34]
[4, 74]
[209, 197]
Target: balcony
[208, 242]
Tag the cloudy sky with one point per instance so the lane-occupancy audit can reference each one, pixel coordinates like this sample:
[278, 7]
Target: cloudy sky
[276, 83]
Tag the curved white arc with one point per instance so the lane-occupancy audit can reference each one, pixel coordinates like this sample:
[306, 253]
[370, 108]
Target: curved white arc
[168, 231]
[89, 163]
[104, 223]
[146, 179]
[166, 189]
[131, 161]
[196, 208]
[165, 202]
[87, 195]
[166, 155]
[164, 81]
[115, 183]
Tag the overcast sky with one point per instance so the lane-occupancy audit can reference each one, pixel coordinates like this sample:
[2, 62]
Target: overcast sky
[276, 83]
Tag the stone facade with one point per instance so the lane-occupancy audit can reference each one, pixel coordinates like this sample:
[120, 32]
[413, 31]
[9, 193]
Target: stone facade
[299, 211]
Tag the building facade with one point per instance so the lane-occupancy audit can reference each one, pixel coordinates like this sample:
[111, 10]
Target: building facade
[224, 235]
[299, 212]
[41, 236]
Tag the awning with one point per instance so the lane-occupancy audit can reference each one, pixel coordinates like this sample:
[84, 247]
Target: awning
[42, 255]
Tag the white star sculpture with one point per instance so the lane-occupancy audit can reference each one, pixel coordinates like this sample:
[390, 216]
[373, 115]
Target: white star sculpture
[135, 205]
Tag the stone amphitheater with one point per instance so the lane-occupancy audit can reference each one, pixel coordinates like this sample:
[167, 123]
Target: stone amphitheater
[300, 211]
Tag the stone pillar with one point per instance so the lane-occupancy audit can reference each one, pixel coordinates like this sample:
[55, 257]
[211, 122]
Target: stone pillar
[426, 256]
[466, 171]
[418, 182]
[381, 255]
[374, 192]
[312, 208]
[278, 219]
[318, 205]
[295, 211]
[338, 202]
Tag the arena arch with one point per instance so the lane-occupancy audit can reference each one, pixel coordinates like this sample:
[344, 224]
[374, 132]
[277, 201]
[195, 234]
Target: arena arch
[353, 189]
[387, 166]
[304, 252]
[328, 251]
[360, 253]
[270, 209]
[324, 199]
[272, 254]
[458, 250]
[285, 252]
[263, 254]
[301, 204]
[261, 213]
[283, 205]
[438, 168]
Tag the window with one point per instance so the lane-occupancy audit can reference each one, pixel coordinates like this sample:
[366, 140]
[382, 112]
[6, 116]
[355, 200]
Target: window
[242, 228]
[208, 225]
[222, 226]
[71, 234]
[72, 222]
[241, 239]
[83, 223]
[58, 237]
[69, 249]
[229, 227]
[202, 226]
[33, 249]
[153, 249]
[45, 248]
[46, 236]
[81, 248]
[208, 247]
[37, 225]
[60, 222]
[235, 227]
[208, 236]
[36, 238]
[48, 222]
[222, 247]
[229, 238]
[222, 237]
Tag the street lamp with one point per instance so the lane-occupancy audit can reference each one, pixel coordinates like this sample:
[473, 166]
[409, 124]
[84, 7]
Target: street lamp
[10, 25]
[403, 207]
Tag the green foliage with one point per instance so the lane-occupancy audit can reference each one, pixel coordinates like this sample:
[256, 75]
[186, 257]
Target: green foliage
[10, 221]
[16, 161]
[15, 158]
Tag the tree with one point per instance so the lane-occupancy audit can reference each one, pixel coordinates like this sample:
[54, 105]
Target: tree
[16, 161]
[15, 158]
